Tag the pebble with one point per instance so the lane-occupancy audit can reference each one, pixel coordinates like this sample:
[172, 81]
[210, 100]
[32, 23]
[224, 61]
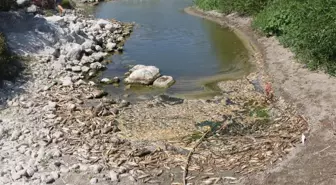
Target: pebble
[16, 176]
[99, 93]
[55, 174]
[57, 153]
[30, 171]
[75, 166]
[124, 103]
[18, 168]
[94, 181]
[107, 129]
[114, 176]
[58, 134]
[15, 135]
[97, 168]
[49, 179]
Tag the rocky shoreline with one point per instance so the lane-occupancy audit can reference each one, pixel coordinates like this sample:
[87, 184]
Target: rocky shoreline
[58, 127]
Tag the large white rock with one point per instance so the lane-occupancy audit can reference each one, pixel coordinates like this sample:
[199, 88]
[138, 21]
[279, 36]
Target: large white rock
[164, 82]
[143, 75]
[136, 67]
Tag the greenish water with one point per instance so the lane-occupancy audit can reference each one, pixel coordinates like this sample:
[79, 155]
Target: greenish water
[195, 51]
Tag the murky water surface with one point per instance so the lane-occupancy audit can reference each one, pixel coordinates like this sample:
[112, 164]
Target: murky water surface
[196, 52]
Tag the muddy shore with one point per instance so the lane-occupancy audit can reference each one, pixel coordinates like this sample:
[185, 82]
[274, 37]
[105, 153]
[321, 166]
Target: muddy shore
[72, 133]
[309, 92]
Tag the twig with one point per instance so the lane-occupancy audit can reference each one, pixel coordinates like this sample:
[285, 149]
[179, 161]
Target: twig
[185, 171]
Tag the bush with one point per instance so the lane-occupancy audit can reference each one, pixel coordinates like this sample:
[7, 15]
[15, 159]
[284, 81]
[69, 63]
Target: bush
[307, 27]
[246, 7]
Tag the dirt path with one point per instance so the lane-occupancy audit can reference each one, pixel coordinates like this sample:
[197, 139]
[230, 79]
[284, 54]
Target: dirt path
[311, 92]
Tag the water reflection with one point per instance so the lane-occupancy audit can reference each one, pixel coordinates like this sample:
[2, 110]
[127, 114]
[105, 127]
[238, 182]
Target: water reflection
[183, 46]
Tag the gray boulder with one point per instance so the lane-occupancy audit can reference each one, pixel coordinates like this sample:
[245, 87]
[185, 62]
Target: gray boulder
[96, 66]
[98, 56]
[87, 60]
[75, 51]
[88, 44]
[143, 75]
[164, 82]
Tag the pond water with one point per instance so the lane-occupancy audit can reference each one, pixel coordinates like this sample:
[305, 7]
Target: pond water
[196, 52]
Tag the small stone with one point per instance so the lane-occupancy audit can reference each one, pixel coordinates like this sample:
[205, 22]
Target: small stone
[18, 168]
[49, 180]
[71, 106]
[58, 134]
[106, 81]
[97, 168]
[85, 69]
[57, 153]
[76, 69]
[64, 170]
[75, 166]
[110, 46]
[15, 135]
[30, 172]
[116, 80]
[114, 176]
[55, 174]
[80, 82]
[98, 48]
[16, 176]
[83, 167]
[115, 111]
[66, 81]
[99, 93]
[52, 104]
[124, 103]
[107, 129]
[94, 181]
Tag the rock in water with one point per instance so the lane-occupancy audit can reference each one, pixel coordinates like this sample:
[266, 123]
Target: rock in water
[164, 82]
[143, 75]
[106, 81]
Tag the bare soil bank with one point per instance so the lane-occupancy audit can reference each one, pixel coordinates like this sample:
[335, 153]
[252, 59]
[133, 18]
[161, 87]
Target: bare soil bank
[311, 93]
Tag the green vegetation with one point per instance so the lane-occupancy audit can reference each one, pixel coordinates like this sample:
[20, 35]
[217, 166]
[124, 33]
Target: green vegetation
[306, 27]
[5, 5]
[8, 65]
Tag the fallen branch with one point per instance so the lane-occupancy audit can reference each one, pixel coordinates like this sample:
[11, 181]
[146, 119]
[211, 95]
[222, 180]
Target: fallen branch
[185, 172]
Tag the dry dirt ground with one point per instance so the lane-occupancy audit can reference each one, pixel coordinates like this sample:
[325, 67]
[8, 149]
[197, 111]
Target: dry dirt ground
[311, 92]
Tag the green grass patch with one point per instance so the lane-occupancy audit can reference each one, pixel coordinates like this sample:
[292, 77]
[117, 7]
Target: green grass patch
[308, 27]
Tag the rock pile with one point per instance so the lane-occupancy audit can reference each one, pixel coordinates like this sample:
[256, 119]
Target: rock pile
[148, 75]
